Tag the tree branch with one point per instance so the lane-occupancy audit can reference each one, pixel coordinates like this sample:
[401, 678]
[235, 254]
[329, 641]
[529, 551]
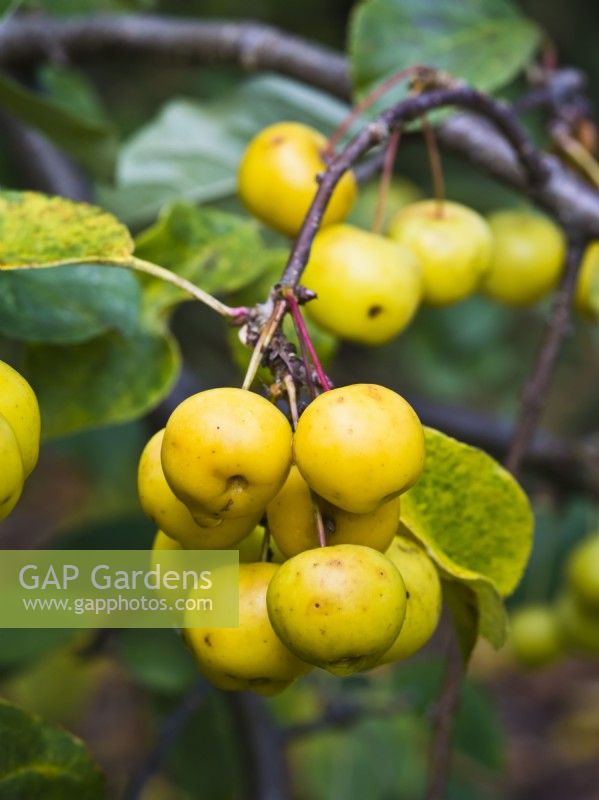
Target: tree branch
[250, 45]
[534, 395]
[444, 720]
[258, 47]
[169, 732]
[267, 770]
[512, 135]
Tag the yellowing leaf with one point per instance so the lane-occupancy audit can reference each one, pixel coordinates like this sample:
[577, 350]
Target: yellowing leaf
[476, 523]
[41, 231]
[471, 514]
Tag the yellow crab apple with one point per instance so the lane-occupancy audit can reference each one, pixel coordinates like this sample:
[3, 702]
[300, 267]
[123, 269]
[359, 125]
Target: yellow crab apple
[527, 259]
[226, 453]
[368, 287]
[453, 244]
[339, 608]
[292, 523]
[161, 505]
[19, 406]
[12, 476]
[423, 595]
[277, 177]
[359, 446]
[250, 656]
[535, 637]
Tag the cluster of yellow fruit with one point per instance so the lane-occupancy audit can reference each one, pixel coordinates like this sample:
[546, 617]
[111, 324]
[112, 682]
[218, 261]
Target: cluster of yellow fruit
[19, 436]
[540, 633]
[369, 286]
[228, 458]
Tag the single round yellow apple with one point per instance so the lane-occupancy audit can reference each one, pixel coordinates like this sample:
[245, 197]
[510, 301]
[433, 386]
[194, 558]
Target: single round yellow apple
[359, 446]
[226, 453]
[161, 505]
[292, 523]
[453, 244]
[527, 259]
[278, 173]
[339, 608]
[368, 288]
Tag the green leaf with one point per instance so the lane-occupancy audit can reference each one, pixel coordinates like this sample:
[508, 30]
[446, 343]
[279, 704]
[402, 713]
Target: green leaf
[476, 523]
[107, 380]
[477, 610]
[41, 231]
[484, 42]
[192, 150]
[67, 304]
[40, 761]
[89, 141]
[70, 88]
[158, 659]
[362, 761]
[218, 251]
[98, 363]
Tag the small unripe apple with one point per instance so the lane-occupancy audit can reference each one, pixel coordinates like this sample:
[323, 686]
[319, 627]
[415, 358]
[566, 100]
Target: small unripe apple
[453, 244]
[527, 258]
[423, 595]
[583, 573]
[535, 637]
[12, 476]
[292, 522]
[587, 288]
[18, 404]
[174, 519]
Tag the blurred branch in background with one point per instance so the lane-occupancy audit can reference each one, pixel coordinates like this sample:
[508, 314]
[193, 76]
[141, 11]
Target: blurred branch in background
[169, 731]
[258, 47]
[263, 748]
[42, 166]
[534, 395]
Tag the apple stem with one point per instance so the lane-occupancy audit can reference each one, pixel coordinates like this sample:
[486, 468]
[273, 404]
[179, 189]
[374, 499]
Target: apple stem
[367, 101]
[436, 165]
[322, 534]
[292, 399]
[386, 175]
[305, 340]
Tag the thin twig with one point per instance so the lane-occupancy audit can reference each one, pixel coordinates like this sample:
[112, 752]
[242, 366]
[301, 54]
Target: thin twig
[263, 748]
[444, 720]
[304, 336]
[385, 182]
[322, 534]
[291, 399]
[534, 395]
[379, 131]
[163, 274]
[257, 47]
[268, 331]
[357, 110]
[169, 731]
[436, 165]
